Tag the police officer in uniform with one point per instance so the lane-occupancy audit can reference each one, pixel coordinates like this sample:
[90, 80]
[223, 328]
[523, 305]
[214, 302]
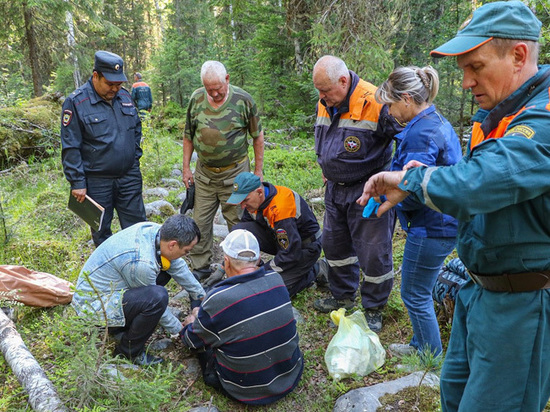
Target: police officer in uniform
[353, 136]
[285, 227]
[100, 139]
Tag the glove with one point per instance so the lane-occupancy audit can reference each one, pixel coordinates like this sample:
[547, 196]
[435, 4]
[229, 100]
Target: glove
[217, 275]
[189, 201]
[372, 207]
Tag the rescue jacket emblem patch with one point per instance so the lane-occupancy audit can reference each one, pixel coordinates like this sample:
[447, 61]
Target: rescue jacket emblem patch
[352, 144]
[521, 130]
[282, 238]
[67, 116]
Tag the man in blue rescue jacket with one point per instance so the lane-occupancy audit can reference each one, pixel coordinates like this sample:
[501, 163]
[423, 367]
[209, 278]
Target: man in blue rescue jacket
[141, 93]
[353, 141]
[285, 227]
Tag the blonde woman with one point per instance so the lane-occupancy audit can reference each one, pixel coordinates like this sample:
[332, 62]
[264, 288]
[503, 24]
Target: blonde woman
[430, 140]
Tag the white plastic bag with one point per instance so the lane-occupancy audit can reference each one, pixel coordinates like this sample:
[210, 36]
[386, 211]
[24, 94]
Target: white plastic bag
[355, 349]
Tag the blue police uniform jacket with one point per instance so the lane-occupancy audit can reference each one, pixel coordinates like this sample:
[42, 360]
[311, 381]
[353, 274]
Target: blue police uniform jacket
[500, 190]
[98, 138]
[355, 142]
[430, 139]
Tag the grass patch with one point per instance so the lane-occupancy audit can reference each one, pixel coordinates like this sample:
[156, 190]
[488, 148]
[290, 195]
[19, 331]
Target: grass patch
[422, 398]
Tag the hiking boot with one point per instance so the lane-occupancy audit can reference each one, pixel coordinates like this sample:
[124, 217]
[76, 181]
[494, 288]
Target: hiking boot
[321, 272]
[329, 304]
[144, 359]
[401, 349]
[202, 273]
[117, 337]
[218, 273]
[374, 319]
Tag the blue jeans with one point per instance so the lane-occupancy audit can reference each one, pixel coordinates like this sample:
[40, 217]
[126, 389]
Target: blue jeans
[422, 261]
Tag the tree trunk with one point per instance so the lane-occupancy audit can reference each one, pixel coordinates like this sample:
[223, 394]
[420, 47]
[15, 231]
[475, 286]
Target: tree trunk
[71, 43]
[298, 56]
[233, 32]
[159, 17]
[42, 394]
[33, 49]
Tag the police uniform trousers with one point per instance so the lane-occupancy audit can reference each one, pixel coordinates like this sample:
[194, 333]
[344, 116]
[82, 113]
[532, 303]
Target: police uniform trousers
[123, 194]
[352, 242]
[296, 275]
[212, 189]
[498, 357]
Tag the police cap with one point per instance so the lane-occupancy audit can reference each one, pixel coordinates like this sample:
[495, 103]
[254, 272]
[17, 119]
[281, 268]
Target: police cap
[110, 65]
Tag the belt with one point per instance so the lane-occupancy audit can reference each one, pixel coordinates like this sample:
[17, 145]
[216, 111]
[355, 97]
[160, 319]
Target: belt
[513, 282]
[224, 168]
[365, 178]
[312, 238]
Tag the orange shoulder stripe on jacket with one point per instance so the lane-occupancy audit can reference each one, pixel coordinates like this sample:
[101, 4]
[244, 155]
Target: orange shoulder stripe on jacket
[282, 206]
[477, 133]
[369, 110]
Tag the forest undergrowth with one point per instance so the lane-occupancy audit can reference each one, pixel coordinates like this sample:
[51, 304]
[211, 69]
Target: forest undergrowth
[39, 232]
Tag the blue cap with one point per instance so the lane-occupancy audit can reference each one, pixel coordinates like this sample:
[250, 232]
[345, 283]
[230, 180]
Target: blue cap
[501, 19]
[245, 182]
[110, 65]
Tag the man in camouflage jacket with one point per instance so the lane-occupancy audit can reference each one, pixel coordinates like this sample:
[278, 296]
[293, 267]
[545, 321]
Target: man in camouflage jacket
[219, 118]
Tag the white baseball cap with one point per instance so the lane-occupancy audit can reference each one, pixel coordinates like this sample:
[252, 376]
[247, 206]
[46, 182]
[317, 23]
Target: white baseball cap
[239, 241]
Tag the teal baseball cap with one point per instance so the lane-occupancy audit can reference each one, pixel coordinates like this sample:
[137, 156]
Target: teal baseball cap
[245, 182]
[501, 19]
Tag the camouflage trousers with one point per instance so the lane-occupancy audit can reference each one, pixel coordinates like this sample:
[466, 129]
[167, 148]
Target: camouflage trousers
[212, 189]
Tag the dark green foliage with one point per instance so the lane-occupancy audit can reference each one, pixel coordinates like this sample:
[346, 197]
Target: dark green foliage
[172, 118]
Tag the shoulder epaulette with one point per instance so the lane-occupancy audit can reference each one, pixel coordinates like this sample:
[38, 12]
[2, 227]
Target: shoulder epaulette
[76, 92]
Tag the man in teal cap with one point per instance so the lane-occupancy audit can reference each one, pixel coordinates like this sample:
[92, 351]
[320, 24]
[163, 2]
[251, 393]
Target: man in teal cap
[498, 357]
[285, 227]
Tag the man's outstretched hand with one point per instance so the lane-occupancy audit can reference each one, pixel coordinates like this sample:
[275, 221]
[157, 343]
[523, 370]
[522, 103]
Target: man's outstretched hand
[384, 183]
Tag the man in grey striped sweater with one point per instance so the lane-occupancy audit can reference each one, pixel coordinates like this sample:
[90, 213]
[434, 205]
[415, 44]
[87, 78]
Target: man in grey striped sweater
[244, 331]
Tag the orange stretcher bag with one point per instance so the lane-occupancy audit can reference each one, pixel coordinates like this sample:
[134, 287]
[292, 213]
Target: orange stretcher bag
[33, 288]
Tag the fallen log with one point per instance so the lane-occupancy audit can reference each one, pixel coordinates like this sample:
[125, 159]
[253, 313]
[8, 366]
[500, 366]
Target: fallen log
[42, 394]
